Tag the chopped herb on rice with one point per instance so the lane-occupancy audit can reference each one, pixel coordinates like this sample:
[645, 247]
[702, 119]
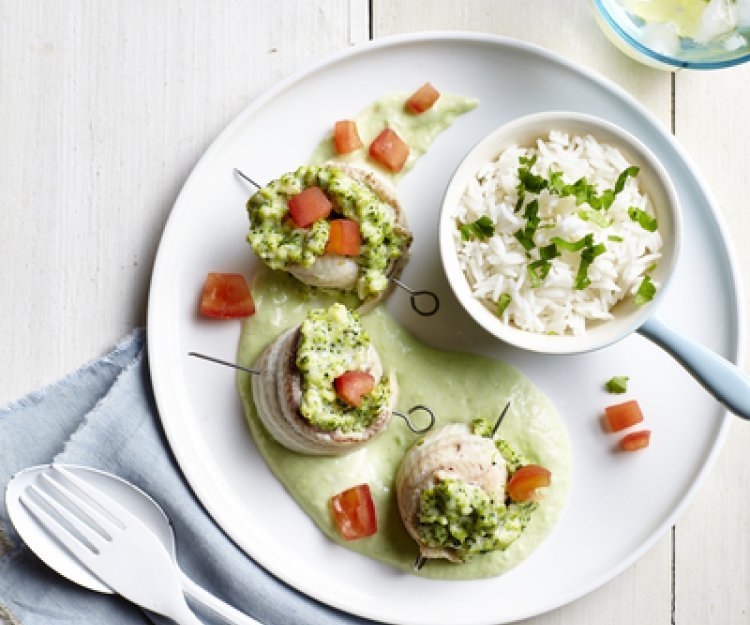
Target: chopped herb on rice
[550, 238]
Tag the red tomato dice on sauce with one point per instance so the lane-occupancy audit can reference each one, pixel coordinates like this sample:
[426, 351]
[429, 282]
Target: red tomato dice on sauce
[423, 98]
[524, 482]
[636, 440]
[344, 238]
[352, 386]
[354, 512]
[226, 296]
[309, 206]
[346, 137]
[390, 150]
[621, 416]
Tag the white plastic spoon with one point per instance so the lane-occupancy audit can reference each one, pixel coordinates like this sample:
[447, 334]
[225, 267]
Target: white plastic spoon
[134, 500]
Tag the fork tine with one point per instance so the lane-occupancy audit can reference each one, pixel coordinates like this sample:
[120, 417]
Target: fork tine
[83, 510]
[105, 505]
[81, 549]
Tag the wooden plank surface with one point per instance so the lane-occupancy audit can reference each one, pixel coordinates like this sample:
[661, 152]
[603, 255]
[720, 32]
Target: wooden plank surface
[106, 106]
[712, 547]
[567, 28]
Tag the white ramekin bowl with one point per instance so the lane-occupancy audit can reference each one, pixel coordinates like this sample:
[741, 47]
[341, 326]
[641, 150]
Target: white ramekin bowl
[653, 181]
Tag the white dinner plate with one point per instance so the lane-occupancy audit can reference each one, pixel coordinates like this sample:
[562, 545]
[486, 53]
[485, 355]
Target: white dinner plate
[619, 504]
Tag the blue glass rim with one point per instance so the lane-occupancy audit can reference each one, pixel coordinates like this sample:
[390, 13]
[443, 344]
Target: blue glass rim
[656, 56]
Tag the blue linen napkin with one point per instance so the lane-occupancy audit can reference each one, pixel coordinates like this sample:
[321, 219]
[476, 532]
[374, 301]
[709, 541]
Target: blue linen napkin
[104, 416]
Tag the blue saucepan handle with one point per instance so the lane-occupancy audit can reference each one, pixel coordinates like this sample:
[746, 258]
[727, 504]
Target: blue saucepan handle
[724, 380]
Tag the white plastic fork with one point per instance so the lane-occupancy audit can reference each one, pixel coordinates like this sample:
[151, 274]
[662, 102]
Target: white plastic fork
[111, 543]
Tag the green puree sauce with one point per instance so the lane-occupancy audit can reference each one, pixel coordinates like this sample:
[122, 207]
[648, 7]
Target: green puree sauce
[458, 386]
[418, 131]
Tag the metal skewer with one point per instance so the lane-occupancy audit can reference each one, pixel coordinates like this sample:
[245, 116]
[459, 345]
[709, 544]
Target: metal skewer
[409, 423]
[405, 417]
[246, 178]
[500, 420]
[225, 362]
[426, 312]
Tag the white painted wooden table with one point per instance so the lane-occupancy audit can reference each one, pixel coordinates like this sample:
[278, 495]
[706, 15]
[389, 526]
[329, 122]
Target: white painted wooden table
[105, 107]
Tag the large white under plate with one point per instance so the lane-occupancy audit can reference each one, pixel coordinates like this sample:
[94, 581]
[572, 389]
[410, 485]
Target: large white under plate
[619, 505]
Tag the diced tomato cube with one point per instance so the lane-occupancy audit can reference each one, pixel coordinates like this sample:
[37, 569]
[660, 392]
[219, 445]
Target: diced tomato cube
[344, 238]
[345, 137]
[309, 206]
[621, 416]
[354, 512]
[352, 386]
[635, 440]
[226, 296]
[524, 482]
[423, 98]
[390, 150]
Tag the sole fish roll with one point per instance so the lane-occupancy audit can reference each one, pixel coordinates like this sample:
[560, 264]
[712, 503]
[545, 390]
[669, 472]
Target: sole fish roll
[333, 226]
[322, 389]
[452, 494]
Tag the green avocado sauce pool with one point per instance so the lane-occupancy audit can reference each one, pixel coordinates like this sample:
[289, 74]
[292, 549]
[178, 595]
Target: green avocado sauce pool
[459, 387]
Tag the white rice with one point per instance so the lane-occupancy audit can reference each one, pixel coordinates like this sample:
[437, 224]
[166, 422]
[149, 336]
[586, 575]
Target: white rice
[498, 265]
